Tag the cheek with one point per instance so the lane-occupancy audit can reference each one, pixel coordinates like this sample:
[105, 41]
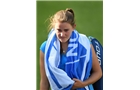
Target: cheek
[57, 34]
[70, 32]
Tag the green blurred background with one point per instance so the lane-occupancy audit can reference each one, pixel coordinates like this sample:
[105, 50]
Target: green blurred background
[88, 15]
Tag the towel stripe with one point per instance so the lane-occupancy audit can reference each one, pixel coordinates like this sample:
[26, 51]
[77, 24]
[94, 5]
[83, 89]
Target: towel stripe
[78, 63]
[51, 74]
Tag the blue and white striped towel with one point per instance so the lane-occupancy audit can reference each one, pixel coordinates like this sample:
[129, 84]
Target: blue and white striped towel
[78, 63]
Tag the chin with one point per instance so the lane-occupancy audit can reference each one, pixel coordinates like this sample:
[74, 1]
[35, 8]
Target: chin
[63, 41]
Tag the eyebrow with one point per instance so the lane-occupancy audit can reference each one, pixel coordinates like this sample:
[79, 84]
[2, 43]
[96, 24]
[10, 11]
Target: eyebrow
[58, 29]
[64, 29]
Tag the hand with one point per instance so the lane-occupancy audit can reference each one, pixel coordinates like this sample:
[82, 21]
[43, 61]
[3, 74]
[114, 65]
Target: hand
[78, 84]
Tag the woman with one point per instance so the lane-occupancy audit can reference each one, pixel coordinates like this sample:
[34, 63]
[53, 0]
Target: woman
[67, 57]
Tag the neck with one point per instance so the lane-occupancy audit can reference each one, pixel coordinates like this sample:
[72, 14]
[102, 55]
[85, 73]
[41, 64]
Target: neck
[64, 47]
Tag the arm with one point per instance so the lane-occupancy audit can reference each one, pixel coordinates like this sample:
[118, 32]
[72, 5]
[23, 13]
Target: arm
[44, 84]
[95, 76]
[96, 70]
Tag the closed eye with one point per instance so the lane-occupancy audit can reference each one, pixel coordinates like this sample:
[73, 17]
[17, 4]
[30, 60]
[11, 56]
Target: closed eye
[66, 30]
[59, 30]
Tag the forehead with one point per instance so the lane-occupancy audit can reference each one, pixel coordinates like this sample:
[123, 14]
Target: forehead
[62, 25]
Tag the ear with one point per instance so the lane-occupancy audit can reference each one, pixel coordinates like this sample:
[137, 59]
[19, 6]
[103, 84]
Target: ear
[74, 26]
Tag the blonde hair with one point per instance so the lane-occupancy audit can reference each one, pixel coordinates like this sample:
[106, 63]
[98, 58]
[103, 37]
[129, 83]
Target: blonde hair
[62, 16]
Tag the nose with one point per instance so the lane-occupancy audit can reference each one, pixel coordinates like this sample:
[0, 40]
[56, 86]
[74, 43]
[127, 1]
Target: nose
[62, 34]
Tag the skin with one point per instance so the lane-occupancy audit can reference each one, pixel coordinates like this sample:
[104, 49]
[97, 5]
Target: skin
[44, 83]
[63, 33]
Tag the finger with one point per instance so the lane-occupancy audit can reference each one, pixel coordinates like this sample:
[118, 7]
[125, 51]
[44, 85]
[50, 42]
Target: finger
[76, 79]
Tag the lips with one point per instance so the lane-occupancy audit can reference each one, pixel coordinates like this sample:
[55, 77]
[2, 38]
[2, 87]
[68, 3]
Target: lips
[63, 39]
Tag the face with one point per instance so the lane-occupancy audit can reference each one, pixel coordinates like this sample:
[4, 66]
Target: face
[63, 31]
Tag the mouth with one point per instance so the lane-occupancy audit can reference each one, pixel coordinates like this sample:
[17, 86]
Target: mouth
[62, 39]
